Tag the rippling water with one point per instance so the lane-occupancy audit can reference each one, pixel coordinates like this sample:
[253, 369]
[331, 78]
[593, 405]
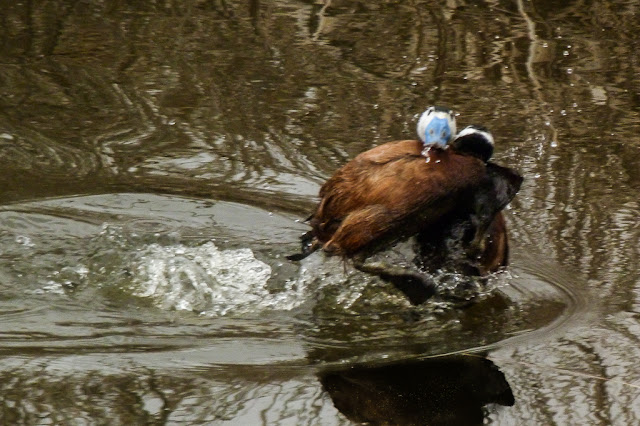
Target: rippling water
[156, 160]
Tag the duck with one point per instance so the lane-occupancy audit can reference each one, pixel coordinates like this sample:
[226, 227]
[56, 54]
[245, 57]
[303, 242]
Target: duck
[441, 189]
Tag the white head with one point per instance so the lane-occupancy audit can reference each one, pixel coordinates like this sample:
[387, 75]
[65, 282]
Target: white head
[437, 125]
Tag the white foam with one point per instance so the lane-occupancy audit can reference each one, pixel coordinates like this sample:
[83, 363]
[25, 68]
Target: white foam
[209, 280]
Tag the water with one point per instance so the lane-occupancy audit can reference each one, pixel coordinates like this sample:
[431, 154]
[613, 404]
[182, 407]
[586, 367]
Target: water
[156, 161]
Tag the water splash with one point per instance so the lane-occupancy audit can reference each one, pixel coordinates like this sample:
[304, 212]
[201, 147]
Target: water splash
[209, 280]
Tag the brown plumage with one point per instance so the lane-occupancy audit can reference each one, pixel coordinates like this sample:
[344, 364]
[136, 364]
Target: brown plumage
[401, 189]
[389, 188]
[496, 247]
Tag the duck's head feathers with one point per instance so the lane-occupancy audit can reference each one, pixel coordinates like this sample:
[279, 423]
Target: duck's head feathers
[437, 125]
[474, 140]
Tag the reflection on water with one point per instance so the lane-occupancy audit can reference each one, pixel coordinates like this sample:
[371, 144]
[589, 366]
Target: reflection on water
[436, 391]
[125, 298]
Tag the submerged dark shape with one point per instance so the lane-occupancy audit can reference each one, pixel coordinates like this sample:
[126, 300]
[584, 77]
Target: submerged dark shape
[448, 390]
[405, 188]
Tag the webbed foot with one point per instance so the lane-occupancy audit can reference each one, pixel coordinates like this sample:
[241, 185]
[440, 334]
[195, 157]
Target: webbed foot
[418, 287]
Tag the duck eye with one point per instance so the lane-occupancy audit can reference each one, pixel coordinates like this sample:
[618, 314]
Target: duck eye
[431, 131]
[444, 133]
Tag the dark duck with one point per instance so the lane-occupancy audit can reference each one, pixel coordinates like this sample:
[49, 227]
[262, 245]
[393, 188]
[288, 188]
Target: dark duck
[441, 189]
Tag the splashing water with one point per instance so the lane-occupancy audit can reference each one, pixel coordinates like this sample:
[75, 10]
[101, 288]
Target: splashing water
[207, 279]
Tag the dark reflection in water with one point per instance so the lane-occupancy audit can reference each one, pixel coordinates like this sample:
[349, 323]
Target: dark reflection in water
[138, 306]
[438, 391]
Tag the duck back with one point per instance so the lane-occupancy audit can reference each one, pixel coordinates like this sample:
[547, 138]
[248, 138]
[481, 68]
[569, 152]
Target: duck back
[389, 192]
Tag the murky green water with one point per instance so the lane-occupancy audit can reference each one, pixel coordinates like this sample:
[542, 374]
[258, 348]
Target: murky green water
[155, 160]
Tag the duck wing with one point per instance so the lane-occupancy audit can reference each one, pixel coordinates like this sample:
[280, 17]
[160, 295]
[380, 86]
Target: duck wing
[379, 197]
[497, 190]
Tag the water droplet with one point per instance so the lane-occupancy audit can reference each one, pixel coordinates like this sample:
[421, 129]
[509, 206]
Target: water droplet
[24, 240]
[569, 71]
[565, 53]
[554, 144]
[563, 112]
[536, 176]
[545, 44]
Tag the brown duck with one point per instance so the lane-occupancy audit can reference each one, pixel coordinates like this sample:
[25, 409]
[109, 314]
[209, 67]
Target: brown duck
[440, 189]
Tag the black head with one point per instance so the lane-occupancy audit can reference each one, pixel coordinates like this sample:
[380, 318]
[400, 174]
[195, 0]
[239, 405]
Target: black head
[474, 140]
